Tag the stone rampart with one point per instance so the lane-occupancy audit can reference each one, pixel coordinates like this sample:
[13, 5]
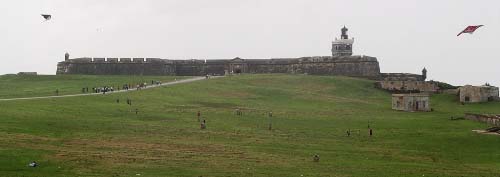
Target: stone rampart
[356, 66]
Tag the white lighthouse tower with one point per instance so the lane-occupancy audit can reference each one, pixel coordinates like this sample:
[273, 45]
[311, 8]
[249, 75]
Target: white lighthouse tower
[342, 46]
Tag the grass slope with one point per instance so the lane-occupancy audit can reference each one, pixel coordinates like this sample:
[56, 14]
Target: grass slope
[95, 136]
[13, 86]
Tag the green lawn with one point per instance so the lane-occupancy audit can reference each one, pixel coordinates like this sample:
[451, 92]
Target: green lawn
[95, 136]
[13, 86]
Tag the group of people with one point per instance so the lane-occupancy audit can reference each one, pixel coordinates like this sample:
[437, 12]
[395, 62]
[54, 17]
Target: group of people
[138, 86]
[370, 132]
[85, 90]
[238, 112]
[103, 89]
[153, 82]
[129, 102]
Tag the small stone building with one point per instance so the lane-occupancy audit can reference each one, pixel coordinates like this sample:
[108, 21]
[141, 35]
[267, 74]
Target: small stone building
[411, 102]
[476, 94]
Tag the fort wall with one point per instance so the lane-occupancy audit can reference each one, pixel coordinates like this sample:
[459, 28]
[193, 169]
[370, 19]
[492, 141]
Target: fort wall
[340, 63]
[356, 66]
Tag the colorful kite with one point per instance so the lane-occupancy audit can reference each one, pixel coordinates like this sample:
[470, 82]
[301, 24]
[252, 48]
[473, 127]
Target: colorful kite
[470, 29]
[46, 16]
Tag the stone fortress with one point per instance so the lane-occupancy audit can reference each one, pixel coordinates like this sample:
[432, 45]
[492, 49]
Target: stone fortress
[342, 63]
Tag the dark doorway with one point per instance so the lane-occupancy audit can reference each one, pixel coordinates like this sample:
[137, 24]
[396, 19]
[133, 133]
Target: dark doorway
[467, 99]
[237, 70]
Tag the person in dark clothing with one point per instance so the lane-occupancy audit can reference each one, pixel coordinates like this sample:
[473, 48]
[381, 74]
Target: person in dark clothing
[371, 132]
[33, 164]
[203, 124]
[316, 158]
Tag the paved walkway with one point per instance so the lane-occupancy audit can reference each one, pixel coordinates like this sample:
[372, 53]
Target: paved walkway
[120, 91]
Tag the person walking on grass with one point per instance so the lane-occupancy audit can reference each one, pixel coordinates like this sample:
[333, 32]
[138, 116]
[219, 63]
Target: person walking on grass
[203, 124]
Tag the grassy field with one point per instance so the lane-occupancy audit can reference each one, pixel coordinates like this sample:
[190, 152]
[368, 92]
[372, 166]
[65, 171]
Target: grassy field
[13, 86]
[95, 136]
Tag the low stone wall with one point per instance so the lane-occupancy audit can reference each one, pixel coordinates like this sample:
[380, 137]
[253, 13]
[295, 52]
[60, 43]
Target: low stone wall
[401, 77]
[450, 91]
[408, 86]
[493, 120]
[28, 73]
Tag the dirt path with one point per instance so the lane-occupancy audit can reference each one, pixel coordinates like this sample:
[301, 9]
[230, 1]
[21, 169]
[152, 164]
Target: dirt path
[120, 91]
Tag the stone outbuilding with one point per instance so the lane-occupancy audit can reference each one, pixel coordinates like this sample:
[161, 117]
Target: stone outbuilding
[476, 94]
[411, 102]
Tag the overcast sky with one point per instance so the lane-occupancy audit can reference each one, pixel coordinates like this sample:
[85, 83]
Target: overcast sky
[404, 35]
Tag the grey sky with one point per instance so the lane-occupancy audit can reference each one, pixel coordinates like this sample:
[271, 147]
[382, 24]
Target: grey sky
[405, 36]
